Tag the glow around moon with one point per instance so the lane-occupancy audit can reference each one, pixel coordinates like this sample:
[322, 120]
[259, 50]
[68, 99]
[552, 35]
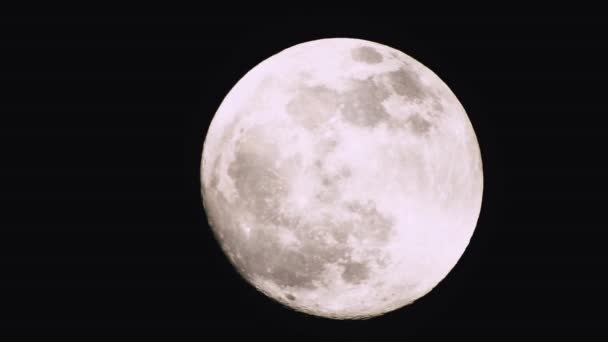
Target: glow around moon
[342, 178]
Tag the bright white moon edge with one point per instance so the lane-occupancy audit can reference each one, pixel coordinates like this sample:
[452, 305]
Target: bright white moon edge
[342, 178]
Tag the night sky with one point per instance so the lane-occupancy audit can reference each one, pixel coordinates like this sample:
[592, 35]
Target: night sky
[102, 122]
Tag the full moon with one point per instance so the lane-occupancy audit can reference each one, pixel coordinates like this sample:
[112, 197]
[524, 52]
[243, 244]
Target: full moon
[342, 178]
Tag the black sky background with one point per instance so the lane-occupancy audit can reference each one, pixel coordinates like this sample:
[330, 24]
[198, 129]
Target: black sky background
[101, 128]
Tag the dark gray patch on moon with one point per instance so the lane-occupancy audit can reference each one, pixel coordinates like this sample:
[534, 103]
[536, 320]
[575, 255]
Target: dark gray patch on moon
[406, 83]
[371, 223]
[318, 164]
[313, 106]
[419, 125]
[215, 177]
[437, 105]
[326, 181]
[366, 54]
[362, 103]
[256, 182]
[224, 139]
[290, 296]
[345, 172]
[332, 179]
[355, 272]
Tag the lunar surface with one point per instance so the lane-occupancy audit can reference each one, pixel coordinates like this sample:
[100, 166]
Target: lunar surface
[342, 178]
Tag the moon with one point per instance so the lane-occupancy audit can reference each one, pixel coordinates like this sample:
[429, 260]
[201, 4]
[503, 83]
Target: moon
[342, 178]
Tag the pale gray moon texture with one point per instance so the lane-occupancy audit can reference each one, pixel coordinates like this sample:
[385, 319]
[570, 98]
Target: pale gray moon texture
[342, 178]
